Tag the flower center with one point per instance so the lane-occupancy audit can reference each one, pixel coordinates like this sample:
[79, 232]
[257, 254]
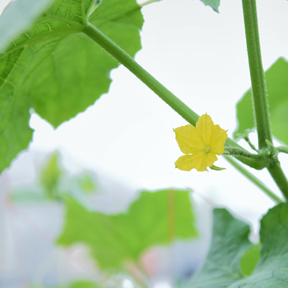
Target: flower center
[207, 149]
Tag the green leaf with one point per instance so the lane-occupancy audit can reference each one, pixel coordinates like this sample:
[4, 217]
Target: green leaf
[84, 284]
[277, 88]
[50, 177]
[17, 17]
[58, 70]
[214, 4]
[230, 240]
[153, 219]
[250, 259]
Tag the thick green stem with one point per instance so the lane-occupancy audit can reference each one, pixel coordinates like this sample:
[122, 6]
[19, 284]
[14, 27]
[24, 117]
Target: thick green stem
[256, 73]
[254, 179]
[259, 91]
[279, 178]
[142, 74]
[174, 102]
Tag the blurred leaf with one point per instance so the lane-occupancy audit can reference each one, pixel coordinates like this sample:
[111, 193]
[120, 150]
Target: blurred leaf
[84, 284]
[87, 184]
[17, 16]
[153, 219]
[58, 70]
[277, 88]
[50, 177]
[250, 259]
[79, 284]
[214, 4]
[230, 241]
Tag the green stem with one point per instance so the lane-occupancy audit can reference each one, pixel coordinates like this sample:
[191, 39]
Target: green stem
[167, 96]
[148, 2]
[279, 177]
[256, 73]
[254, 179]
[259, 90]
[283, 149]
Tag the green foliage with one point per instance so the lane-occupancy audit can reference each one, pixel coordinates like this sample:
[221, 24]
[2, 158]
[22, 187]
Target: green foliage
[153, 219]
[277, 87]
[58, 70]
[18, 16]
[250, 259]
[84, 284]
[50, 176]
[230, 240]
[214, 4]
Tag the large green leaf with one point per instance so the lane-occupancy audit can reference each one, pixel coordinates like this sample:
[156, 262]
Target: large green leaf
[277, 88]
[17, 16]
[230, 240]
[57, 70]
[153, 219]
[214, 4]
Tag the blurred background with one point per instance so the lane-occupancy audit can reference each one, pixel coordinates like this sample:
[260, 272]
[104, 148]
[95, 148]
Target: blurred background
[125, 143]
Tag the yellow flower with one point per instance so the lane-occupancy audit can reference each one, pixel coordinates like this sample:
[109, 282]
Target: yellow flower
[200, 144]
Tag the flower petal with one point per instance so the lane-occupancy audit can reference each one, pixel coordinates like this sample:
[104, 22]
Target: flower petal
[218, 139]
[205, 125]
[188, 139]
[199, 160]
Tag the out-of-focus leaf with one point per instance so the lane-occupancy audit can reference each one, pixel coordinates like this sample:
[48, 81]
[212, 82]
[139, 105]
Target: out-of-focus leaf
[50, 177]
[87, 184]
[79, 284]
[153, 219]
[214, 4]
[277, 88]
[17, 16]
[230, 241]
[57, 69]
[84, 284]
[250, 259]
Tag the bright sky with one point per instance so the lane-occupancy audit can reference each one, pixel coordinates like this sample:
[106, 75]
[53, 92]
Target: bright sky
[201, 57]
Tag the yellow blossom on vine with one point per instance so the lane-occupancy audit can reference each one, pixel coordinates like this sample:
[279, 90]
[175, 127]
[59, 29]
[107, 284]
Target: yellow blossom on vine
[200, 144]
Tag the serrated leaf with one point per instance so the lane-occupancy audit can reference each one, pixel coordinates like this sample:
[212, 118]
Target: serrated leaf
[230, 240]
[17, 16]
[277, 88]
[153, 219]
[58, 70]
[214, 4]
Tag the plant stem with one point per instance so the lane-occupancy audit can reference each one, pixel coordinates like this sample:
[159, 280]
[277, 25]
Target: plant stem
[256, 73]
[259, 90]
[279, 178]
[148, 2]
[254, 179]
[175, 103]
